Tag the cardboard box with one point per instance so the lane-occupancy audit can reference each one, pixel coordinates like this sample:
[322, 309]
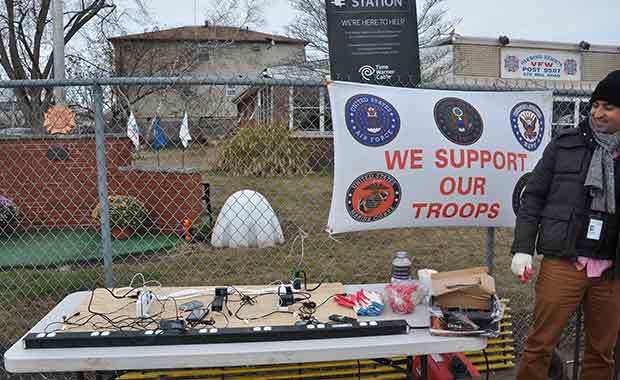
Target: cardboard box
[470, 288]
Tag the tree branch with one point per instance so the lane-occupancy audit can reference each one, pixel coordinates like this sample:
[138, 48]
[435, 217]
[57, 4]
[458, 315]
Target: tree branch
[39, 29]
[25, 43]
[13, 51]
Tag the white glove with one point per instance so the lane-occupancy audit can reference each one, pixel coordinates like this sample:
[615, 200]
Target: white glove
[521, 265]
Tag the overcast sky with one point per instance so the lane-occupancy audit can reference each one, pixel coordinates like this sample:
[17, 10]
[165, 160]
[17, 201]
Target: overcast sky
[595, 21]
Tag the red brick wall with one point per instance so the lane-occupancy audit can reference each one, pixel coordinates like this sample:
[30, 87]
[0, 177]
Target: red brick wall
[170, 197]
[56, 194]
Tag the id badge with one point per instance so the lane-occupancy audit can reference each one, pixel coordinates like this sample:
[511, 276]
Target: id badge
[594, 229]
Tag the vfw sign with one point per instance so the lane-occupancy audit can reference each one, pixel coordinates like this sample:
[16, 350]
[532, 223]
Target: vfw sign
[540, 64]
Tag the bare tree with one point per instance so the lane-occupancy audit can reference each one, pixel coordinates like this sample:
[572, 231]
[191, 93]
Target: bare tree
[310, 24]
[239, 13]
[26, 45]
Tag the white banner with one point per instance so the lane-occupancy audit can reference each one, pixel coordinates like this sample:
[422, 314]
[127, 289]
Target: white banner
[540, 64]
[410, 157]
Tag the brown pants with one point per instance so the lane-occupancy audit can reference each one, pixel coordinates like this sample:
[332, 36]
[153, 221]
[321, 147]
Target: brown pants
[560, 289]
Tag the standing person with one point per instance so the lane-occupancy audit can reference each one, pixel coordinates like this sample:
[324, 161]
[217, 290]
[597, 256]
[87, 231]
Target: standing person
[569, 213]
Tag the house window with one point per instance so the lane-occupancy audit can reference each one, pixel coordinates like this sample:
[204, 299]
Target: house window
[231, 90]
[309, 109]
[265, 104]
[203, 54]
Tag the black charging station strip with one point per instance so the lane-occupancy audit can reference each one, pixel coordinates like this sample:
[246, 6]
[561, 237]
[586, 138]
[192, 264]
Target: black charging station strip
[213, 335]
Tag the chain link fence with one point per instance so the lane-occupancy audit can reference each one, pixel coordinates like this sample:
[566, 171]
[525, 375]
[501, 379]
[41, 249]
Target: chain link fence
[164, 193]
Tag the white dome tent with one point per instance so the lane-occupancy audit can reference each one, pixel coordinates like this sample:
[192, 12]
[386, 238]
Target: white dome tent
[246, 221]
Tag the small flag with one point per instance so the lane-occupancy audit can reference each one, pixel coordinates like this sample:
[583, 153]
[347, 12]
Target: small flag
[132, 130]
[184, 132]
[160, 139]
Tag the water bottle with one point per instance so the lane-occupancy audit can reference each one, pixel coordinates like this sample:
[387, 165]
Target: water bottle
[400, 290]
[401, 268]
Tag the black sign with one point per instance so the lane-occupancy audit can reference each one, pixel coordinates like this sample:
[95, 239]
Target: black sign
[373, 41]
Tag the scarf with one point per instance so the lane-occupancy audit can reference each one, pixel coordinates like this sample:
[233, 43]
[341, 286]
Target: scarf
[600, 178]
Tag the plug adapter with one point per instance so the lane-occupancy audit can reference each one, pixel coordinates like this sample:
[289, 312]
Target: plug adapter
[146, 304]
[296, 281]
[285, 296]
[172, 324]
[221, 294]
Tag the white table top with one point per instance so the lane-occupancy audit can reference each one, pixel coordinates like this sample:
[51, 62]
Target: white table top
[418, 342]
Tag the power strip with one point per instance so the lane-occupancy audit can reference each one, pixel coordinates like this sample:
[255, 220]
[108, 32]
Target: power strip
[214, 335]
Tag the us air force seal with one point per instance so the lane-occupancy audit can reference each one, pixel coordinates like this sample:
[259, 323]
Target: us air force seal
[372, 121]
[458, 121]
[517, 193]
[528, 125]
[373, 196]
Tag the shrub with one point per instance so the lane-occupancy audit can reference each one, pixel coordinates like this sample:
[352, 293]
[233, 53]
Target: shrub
[8, 215]
[125, 211]
[263, 150]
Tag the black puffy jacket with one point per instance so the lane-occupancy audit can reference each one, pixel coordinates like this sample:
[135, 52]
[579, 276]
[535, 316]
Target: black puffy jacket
[555, 210]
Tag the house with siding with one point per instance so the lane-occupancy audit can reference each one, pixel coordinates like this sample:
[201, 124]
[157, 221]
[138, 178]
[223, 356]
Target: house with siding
[221, 51]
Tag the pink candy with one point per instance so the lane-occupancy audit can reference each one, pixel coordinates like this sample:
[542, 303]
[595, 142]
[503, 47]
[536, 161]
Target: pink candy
[400, 297]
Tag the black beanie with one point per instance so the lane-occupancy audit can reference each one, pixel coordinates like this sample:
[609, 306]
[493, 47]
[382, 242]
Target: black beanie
[608, 89]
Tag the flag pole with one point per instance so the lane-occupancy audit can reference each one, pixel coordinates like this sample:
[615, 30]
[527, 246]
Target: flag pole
[185, 137]
[183, 158]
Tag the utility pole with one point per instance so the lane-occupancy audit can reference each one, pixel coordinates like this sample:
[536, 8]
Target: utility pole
[195, 12]
[59, 48]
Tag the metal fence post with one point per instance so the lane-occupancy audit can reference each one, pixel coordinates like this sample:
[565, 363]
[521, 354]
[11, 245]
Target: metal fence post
[102, 187]
[490, 248]
[576, 348]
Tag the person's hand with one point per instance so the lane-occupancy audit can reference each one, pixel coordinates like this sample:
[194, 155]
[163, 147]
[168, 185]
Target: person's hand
[522, 266]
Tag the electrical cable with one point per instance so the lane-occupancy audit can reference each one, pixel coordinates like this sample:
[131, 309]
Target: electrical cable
[132, 322]
[305, 278]
[108, 320]
[253, 318]
[326, 299]
[201, 321]
[144, 281]
[87, 318]
[119, 323]
[243, 297]
[260, 290]
[139, 274]
[307, 310]
[316, 287]
[225, 317]
[176, 306]
[303, 235]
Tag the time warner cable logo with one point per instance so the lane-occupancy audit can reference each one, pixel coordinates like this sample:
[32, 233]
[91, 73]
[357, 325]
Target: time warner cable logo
[367, 72]
[339, 3]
